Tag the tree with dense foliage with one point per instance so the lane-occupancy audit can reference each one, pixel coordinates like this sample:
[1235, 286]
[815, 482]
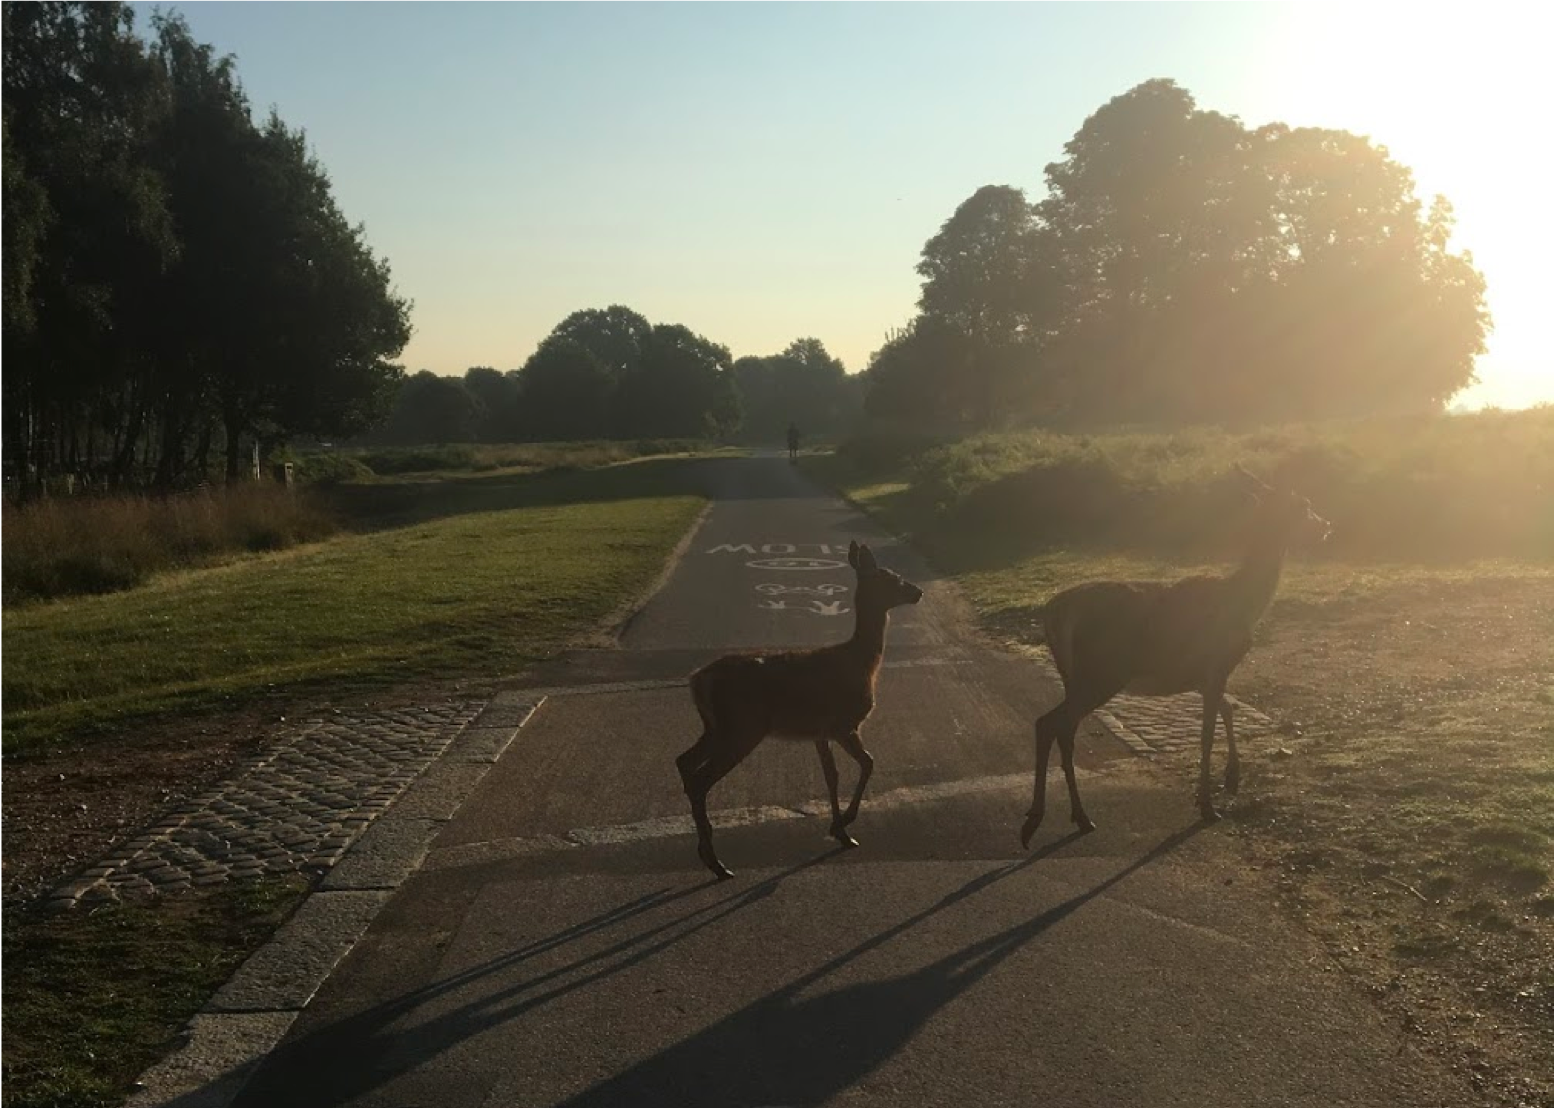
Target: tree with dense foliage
[682, 387]
[498, 394]
[1183, 268]
[804, 385]
[609, 372]
[430, 408]
[984, 279]
[178, 278]
[566, 392]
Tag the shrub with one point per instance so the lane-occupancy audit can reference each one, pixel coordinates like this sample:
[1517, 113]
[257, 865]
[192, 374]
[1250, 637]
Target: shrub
[1443, 487]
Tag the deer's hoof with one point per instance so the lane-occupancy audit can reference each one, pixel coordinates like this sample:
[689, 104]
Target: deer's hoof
[1209, 813]
[839, 833]
[1084, 823]
[1028, 828]
[1232, 779]
[710, 859]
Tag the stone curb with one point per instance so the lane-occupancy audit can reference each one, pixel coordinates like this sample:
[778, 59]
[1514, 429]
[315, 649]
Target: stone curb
[252, 1012]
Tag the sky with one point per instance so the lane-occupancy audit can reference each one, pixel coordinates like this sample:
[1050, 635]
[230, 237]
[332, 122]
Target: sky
[765, 172]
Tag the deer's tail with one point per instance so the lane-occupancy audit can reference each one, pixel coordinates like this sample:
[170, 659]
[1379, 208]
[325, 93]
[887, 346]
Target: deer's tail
[1057, 632]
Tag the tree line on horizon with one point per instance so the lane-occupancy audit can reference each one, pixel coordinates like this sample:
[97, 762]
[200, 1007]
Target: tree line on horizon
[180, 285]
[1182, 269]
[607, 373]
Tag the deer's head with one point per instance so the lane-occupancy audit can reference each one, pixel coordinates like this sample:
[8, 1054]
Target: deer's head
[879, 588]
[1285, 513]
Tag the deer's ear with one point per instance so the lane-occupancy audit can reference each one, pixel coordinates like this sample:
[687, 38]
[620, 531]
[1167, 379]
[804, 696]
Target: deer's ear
[866, 562]
[852, 553]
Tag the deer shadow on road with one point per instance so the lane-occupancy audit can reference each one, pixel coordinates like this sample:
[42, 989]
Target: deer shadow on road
[792, 1049]
[785, 1048]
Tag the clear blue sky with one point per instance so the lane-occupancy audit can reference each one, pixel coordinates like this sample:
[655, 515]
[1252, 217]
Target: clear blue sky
[762, 172]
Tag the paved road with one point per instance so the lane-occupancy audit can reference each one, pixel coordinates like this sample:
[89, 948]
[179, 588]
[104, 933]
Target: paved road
[938, 964]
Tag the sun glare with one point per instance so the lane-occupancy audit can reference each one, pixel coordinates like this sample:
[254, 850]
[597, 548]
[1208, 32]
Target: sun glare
[1453, 92]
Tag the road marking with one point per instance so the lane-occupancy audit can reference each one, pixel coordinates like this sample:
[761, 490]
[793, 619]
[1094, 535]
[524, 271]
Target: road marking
[796, 563]
[665, 827]
[818, 607]
[777, 548]
[774, 589]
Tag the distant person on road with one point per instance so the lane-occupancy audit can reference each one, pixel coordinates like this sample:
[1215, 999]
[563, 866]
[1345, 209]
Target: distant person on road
[793, 442]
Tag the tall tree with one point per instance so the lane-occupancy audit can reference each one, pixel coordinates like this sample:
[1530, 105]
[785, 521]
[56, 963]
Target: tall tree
[81, 103]
[498, 393]
[924, 376]
[682, 387]
[172, 270]
[803, 384]
[982, 277]
[1216, 273]
[566, 392]
[432, 409]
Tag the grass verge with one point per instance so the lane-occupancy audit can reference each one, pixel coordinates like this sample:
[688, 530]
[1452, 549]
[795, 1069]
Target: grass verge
[479, 578]
[93, 998]
[488, 457]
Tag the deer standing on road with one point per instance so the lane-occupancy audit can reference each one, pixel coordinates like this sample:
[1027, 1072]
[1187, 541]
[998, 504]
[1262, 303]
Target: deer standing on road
[1159, 639]
[821, 695]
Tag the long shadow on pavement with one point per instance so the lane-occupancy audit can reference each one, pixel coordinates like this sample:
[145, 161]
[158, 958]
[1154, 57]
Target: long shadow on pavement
[314, 1069]
[786, 1051]
[808, 1049]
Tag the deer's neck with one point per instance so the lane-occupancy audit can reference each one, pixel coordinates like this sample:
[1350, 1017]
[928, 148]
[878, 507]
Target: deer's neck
[1256, 579]
[869, 635]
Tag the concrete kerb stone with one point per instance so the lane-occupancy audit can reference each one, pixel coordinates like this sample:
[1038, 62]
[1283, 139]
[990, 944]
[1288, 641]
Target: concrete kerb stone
[284, 974]
[252, 1012]
[220, 1052]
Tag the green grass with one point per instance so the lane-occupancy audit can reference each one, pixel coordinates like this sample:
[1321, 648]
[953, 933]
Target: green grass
[92, 998]
[489, 457]
[477, 578]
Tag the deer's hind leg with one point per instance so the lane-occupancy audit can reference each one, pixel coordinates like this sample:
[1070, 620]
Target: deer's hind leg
[693, 759]
[1060, 725]
[1233, 757]
[1076, 808]
[726, 748]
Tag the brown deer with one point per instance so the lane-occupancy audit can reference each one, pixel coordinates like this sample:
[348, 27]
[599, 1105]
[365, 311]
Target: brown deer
[821, 695]
[1159, 639]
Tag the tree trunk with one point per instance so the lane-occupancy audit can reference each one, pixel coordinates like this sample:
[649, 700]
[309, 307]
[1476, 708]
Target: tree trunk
[234, 426]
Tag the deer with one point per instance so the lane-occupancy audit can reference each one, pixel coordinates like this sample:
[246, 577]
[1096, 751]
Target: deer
[822, 695]
[1165, 638]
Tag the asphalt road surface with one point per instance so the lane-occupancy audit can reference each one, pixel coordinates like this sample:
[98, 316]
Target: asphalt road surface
[938, 964]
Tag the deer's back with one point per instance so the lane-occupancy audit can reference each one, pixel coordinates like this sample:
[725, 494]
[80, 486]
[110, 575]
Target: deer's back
[1150, 637]
[792, 694]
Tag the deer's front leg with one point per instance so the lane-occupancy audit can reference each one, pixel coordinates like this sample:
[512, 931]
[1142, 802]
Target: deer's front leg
[854, 747]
